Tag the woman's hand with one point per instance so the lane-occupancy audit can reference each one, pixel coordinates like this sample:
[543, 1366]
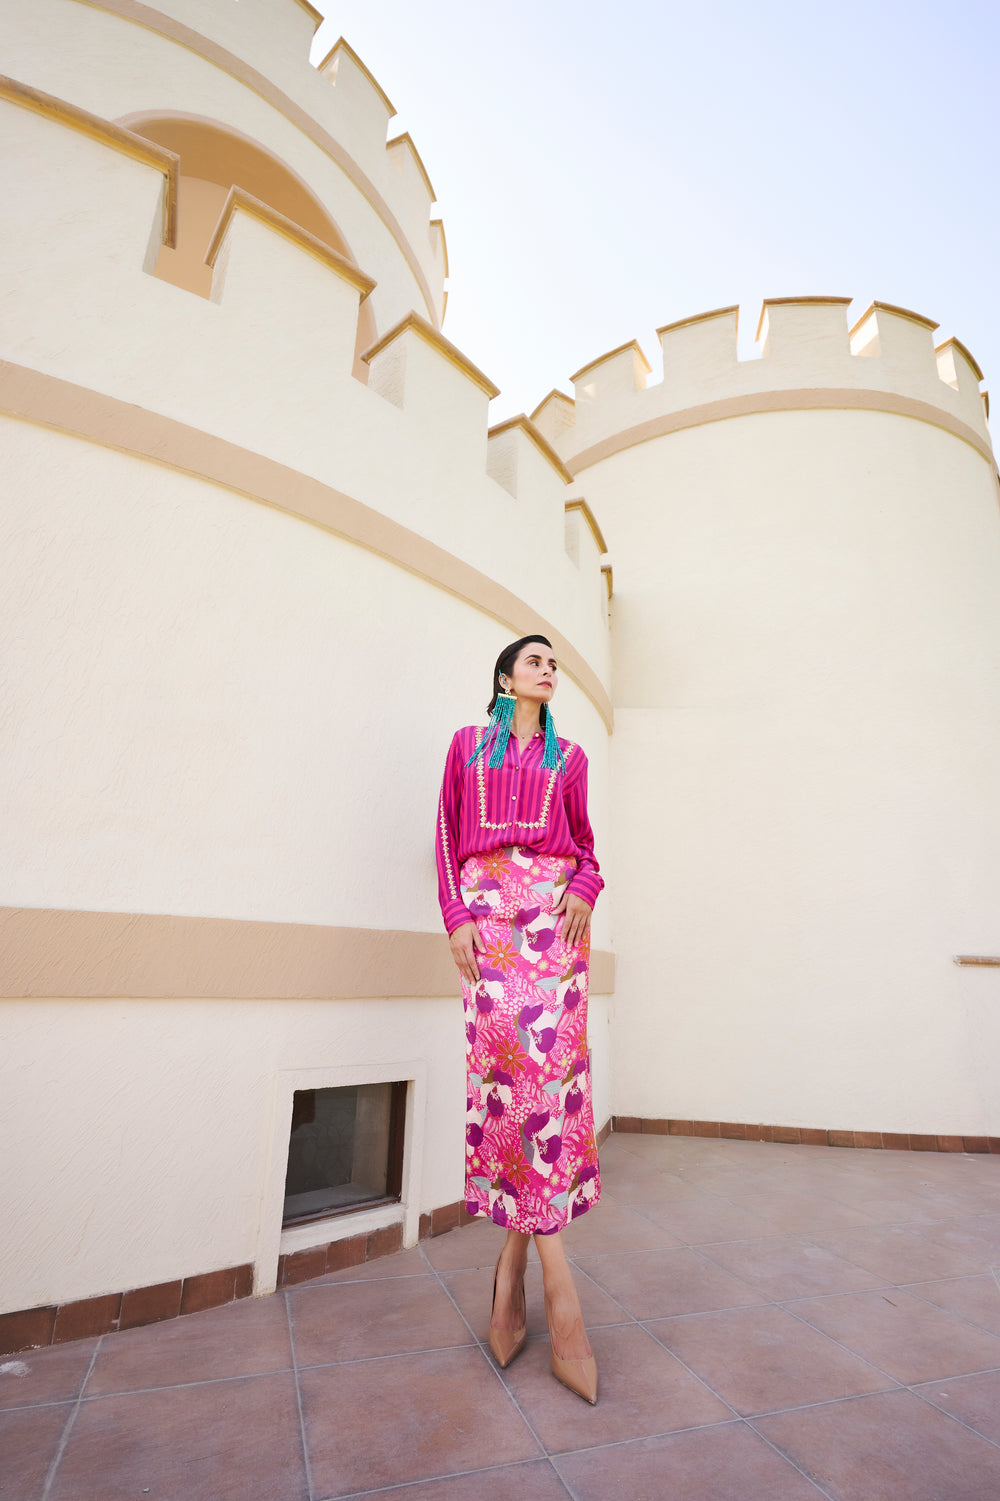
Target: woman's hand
[576, 917]
[464, 943]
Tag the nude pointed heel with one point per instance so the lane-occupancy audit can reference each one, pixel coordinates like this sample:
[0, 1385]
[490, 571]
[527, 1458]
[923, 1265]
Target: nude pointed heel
[506, 1344]
[579, 1376]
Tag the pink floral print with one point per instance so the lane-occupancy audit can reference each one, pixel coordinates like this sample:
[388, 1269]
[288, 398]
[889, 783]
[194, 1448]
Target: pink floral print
[531, 1154]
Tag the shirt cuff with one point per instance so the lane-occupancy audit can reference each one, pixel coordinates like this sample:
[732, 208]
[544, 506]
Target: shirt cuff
[586, 886]
[455, 914]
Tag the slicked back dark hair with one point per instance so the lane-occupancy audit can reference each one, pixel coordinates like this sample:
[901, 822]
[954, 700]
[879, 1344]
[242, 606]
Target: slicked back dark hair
[505, 664]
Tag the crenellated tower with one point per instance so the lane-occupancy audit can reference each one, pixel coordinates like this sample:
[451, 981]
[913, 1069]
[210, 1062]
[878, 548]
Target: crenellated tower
[253, 528]
[806, 651]
[259, 540]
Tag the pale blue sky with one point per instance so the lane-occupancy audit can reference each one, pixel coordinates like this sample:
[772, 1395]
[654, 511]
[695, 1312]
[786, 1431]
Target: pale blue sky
[602, 170]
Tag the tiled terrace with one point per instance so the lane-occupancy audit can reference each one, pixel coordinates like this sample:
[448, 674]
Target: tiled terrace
[771, 1324]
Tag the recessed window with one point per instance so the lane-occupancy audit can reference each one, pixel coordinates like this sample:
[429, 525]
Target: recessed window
[345, 1151]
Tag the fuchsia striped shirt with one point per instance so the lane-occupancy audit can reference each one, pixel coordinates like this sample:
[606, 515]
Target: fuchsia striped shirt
[519, 803]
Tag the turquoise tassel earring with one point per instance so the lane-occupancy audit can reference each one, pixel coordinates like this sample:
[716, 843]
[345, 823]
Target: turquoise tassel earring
[497, 731]
[553, 750]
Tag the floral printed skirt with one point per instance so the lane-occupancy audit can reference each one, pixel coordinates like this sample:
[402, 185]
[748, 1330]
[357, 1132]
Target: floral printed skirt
[531, 1154]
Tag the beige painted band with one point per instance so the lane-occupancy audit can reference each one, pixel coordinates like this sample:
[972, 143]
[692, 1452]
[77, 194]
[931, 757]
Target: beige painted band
[221, 57]
[45, 399]
[798, 400]
[47, 952]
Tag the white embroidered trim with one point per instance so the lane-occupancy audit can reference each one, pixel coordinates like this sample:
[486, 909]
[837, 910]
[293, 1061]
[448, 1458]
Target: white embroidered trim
[444, 850]
[513, 822]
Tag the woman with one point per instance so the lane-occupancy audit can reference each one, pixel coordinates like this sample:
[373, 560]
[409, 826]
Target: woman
[517, 881]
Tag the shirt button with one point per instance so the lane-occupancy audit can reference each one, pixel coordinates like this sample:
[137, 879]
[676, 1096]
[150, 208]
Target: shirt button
[513, 797]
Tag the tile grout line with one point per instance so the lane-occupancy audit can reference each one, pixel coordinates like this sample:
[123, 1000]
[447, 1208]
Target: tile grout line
[706, 1257]
[33, 1406]
[953, 1415]
[170, 1386]
[482, 1350]
[334, 1279]
[897, 1385]
[693, 1373]
[781, 1412]
[641, 1438]
[840, 1344]
[298, 1399]
[629, 1316]
[397, 1485]
[880, 1286]
[810, 1236]
[328, 1365]
[750, 1421]
[68, 1425]
[911, 1226]
[736, 1422]
[980, 1328]
[706, 1251]
[788, 1460]
[895, 1287]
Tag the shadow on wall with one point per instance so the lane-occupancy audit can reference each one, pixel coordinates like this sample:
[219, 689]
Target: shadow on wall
[214, 159]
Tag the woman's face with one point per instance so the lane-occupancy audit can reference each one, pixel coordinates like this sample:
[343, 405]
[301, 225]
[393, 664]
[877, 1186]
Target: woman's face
[534, 673]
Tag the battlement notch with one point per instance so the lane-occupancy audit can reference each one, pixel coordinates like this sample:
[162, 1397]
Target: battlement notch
[805, 327]
[701, 347]
[621, 370]
[362, 104]
[515, 446]
[554, 415]
[808, 359]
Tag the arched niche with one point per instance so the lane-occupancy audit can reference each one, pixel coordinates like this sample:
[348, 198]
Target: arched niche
[214, 158]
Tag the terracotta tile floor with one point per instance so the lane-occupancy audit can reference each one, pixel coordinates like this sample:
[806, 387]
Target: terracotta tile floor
[771, 1324]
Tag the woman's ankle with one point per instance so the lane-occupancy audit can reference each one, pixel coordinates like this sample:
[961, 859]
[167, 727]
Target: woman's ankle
[514, 1258]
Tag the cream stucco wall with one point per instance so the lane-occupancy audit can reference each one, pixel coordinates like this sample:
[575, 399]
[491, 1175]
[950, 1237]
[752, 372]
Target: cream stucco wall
[233, 707]
[267, 365]
[216, 708]
[144, 1130]
[145, 1140]
[115, 68]
[248, 597]
[807, 683]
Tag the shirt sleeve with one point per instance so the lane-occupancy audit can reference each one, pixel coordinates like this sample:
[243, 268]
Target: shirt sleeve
[453, 909]
[588, 882]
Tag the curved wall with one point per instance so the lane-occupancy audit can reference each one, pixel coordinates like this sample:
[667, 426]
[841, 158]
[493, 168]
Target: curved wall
[249, 596]
[806, 630]
[243, 67]
[233, 707]
[248, 599]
